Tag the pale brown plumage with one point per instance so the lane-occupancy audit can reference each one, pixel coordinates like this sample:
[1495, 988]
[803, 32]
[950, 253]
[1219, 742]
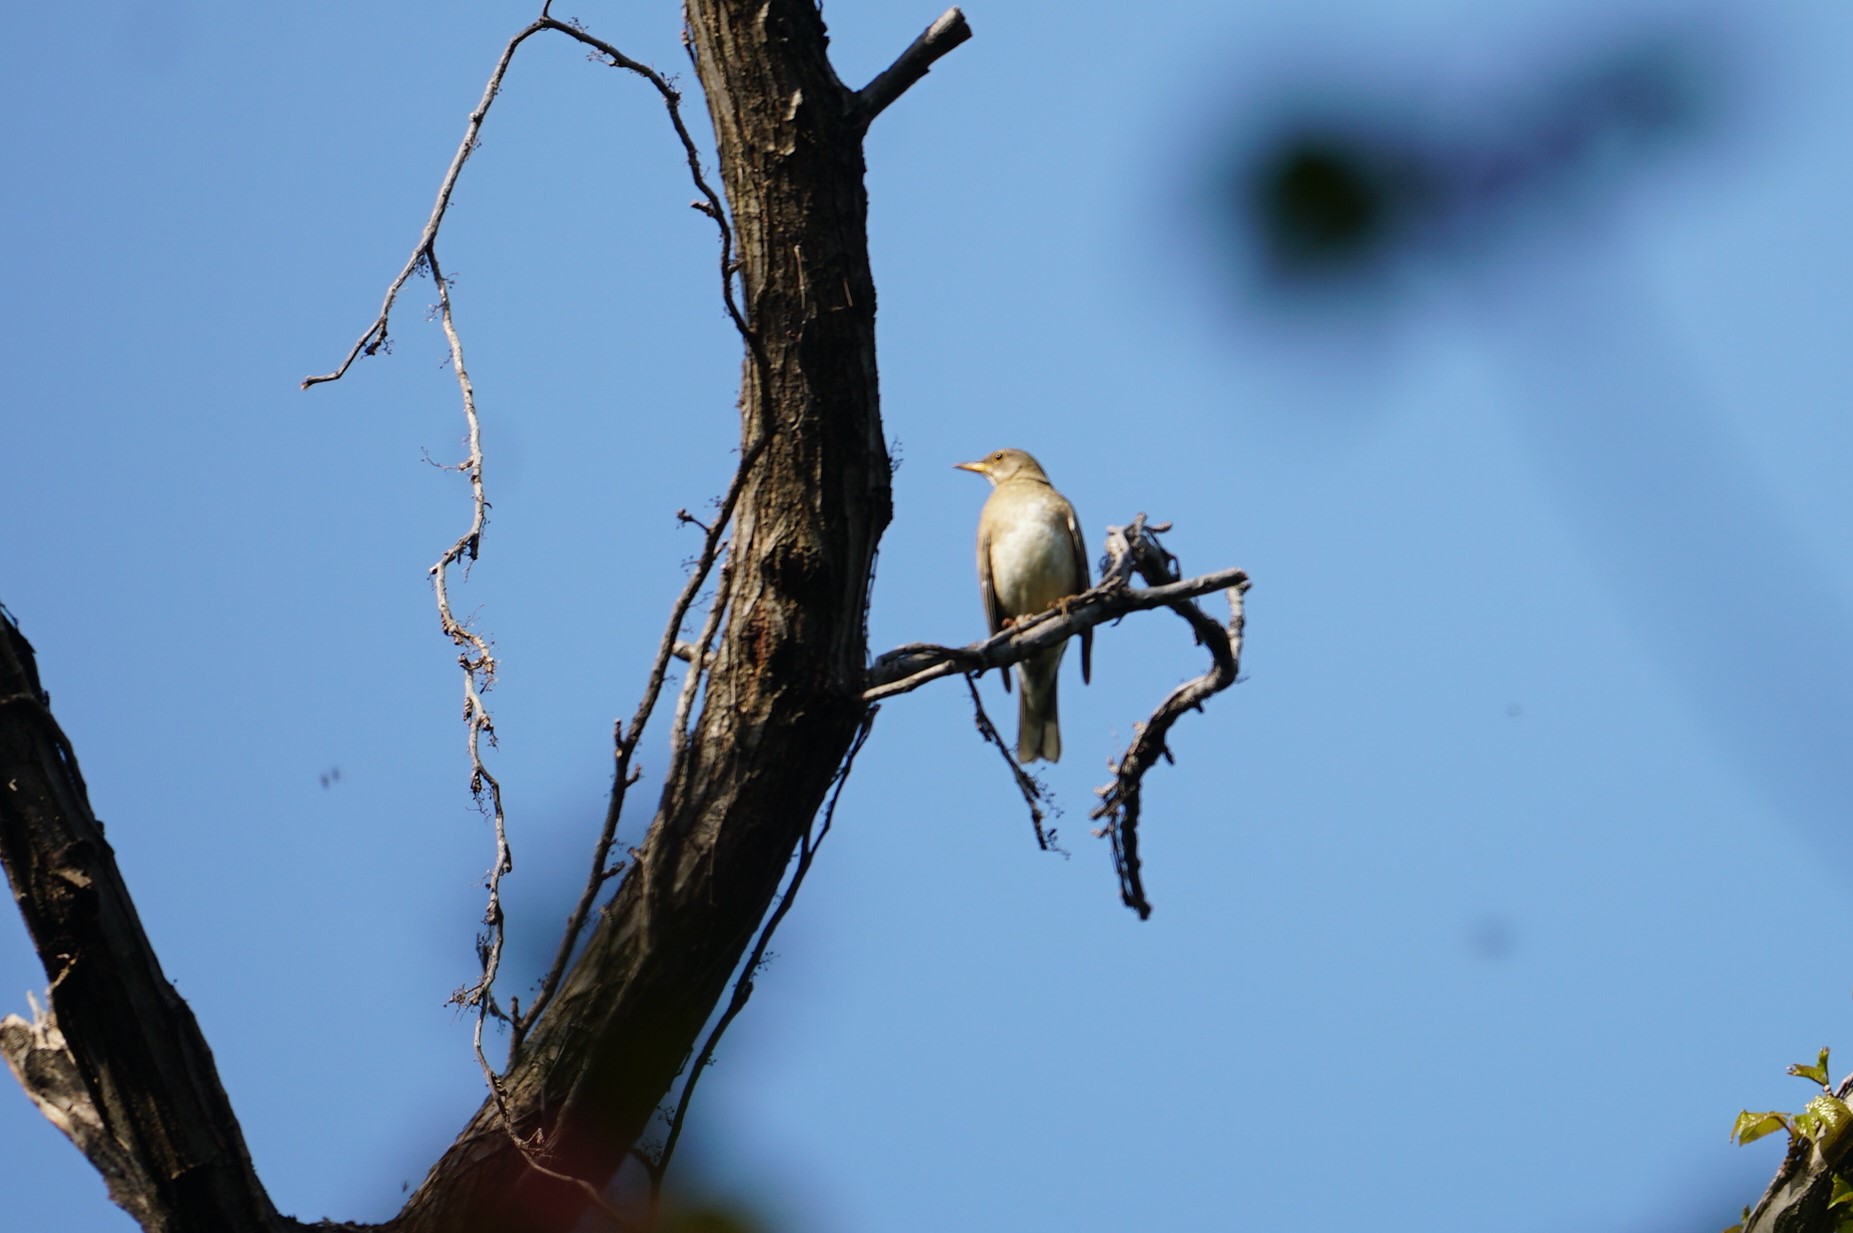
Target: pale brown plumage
[1030, 557]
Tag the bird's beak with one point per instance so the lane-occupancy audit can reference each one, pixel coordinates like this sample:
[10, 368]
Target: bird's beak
[978, 467]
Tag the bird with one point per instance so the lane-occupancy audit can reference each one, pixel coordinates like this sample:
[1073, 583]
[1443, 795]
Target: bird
[1030, 558]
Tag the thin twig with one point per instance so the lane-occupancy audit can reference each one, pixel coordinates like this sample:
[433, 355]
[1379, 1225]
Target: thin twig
[479, 666]
[375, 336]
[1031, 788]
[476, 658]
[743, 984]
[710, 203]
[1121, 799]
[531, 1147]
[698, 663]
[627, 739]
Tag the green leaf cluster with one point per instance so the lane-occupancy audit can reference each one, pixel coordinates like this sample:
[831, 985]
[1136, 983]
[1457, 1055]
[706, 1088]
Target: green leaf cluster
[1824, 1119]
[1820, 1124]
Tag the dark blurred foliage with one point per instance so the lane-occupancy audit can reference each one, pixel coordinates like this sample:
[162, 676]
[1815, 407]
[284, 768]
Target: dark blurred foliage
[709, 1218]
[1337, 186]
[1322, 199]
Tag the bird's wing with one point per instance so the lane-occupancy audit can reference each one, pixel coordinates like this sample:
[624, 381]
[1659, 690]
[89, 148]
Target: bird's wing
[987, 591]
[1085, 577]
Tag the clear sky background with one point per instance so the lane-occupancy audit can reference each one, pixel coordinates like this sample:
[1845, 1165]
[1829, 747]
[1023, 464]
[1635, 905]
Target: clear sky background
[1511, 873]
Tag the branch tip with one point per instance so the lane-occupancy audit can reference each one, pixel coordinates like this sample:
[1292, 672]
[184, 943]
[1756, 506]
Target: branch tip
[948, 30]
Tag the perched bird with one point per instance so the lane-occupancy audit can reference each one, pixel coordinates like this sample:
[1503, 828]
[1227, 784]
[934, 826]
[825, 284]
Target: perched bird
[1030, 557]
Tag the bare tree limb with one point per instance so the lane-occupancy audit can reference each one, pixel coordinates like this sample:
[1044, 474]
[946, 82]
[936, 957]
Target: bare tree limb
[743, 984]
[1139, 549]
[48, 1072]
[780, 702]
[709, 202]
[626, 739]
[118, 1062]
[479, 665]
[1132, 550]
[775, 708]
[376, 336]
[477, 661]
[1031, 788]
[948, 30]
[907, 668]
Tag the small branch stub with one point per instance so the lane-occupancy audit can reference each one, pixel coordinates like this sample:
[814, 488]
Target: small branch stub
[947, 32]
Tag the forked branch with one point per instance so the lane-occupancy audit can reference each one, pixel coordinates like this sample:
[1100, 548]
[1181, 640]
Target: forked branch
[377, 337]
[476, 658]
[1131, 550]
[1136, 548]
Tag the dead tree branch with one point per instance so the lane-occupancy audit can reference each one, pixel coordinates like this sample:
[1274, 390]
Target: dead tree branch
[47, 1070]
[478, 664]
[376, 336]
[780, 701]
[476, 659]
[1131, 550]
[1027, 784]
[907, 668]
[117, 1061]
[1137, 549]
[947, 32]
[743, 984]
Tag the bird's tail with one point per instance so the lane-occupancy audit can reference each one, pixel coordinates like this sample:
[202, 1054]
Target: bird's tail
[1039, 732]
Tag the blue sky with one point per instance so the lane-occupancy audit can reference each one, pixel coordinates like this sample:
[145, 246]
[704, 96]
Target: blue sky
[1501, 883]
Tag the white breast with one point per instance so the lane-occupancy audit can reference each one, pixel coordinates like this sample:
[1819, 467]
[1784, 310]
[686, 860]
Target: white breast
[1031, 565]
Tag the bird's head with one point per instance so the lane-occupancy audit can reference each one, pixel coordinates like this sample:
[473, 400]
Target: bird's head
[1003, 465]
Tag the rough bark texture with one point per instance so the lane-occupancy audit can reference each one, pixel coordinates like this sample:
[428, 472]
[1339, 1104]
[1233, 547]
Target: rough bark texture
[119, 1063]
[783, 698]
[121, 1067]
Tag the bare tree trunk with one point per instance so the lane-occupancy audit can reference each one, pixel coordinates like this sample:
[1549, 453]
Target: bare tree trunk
[782, 699]
[119, 1064]
[122, 1068]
